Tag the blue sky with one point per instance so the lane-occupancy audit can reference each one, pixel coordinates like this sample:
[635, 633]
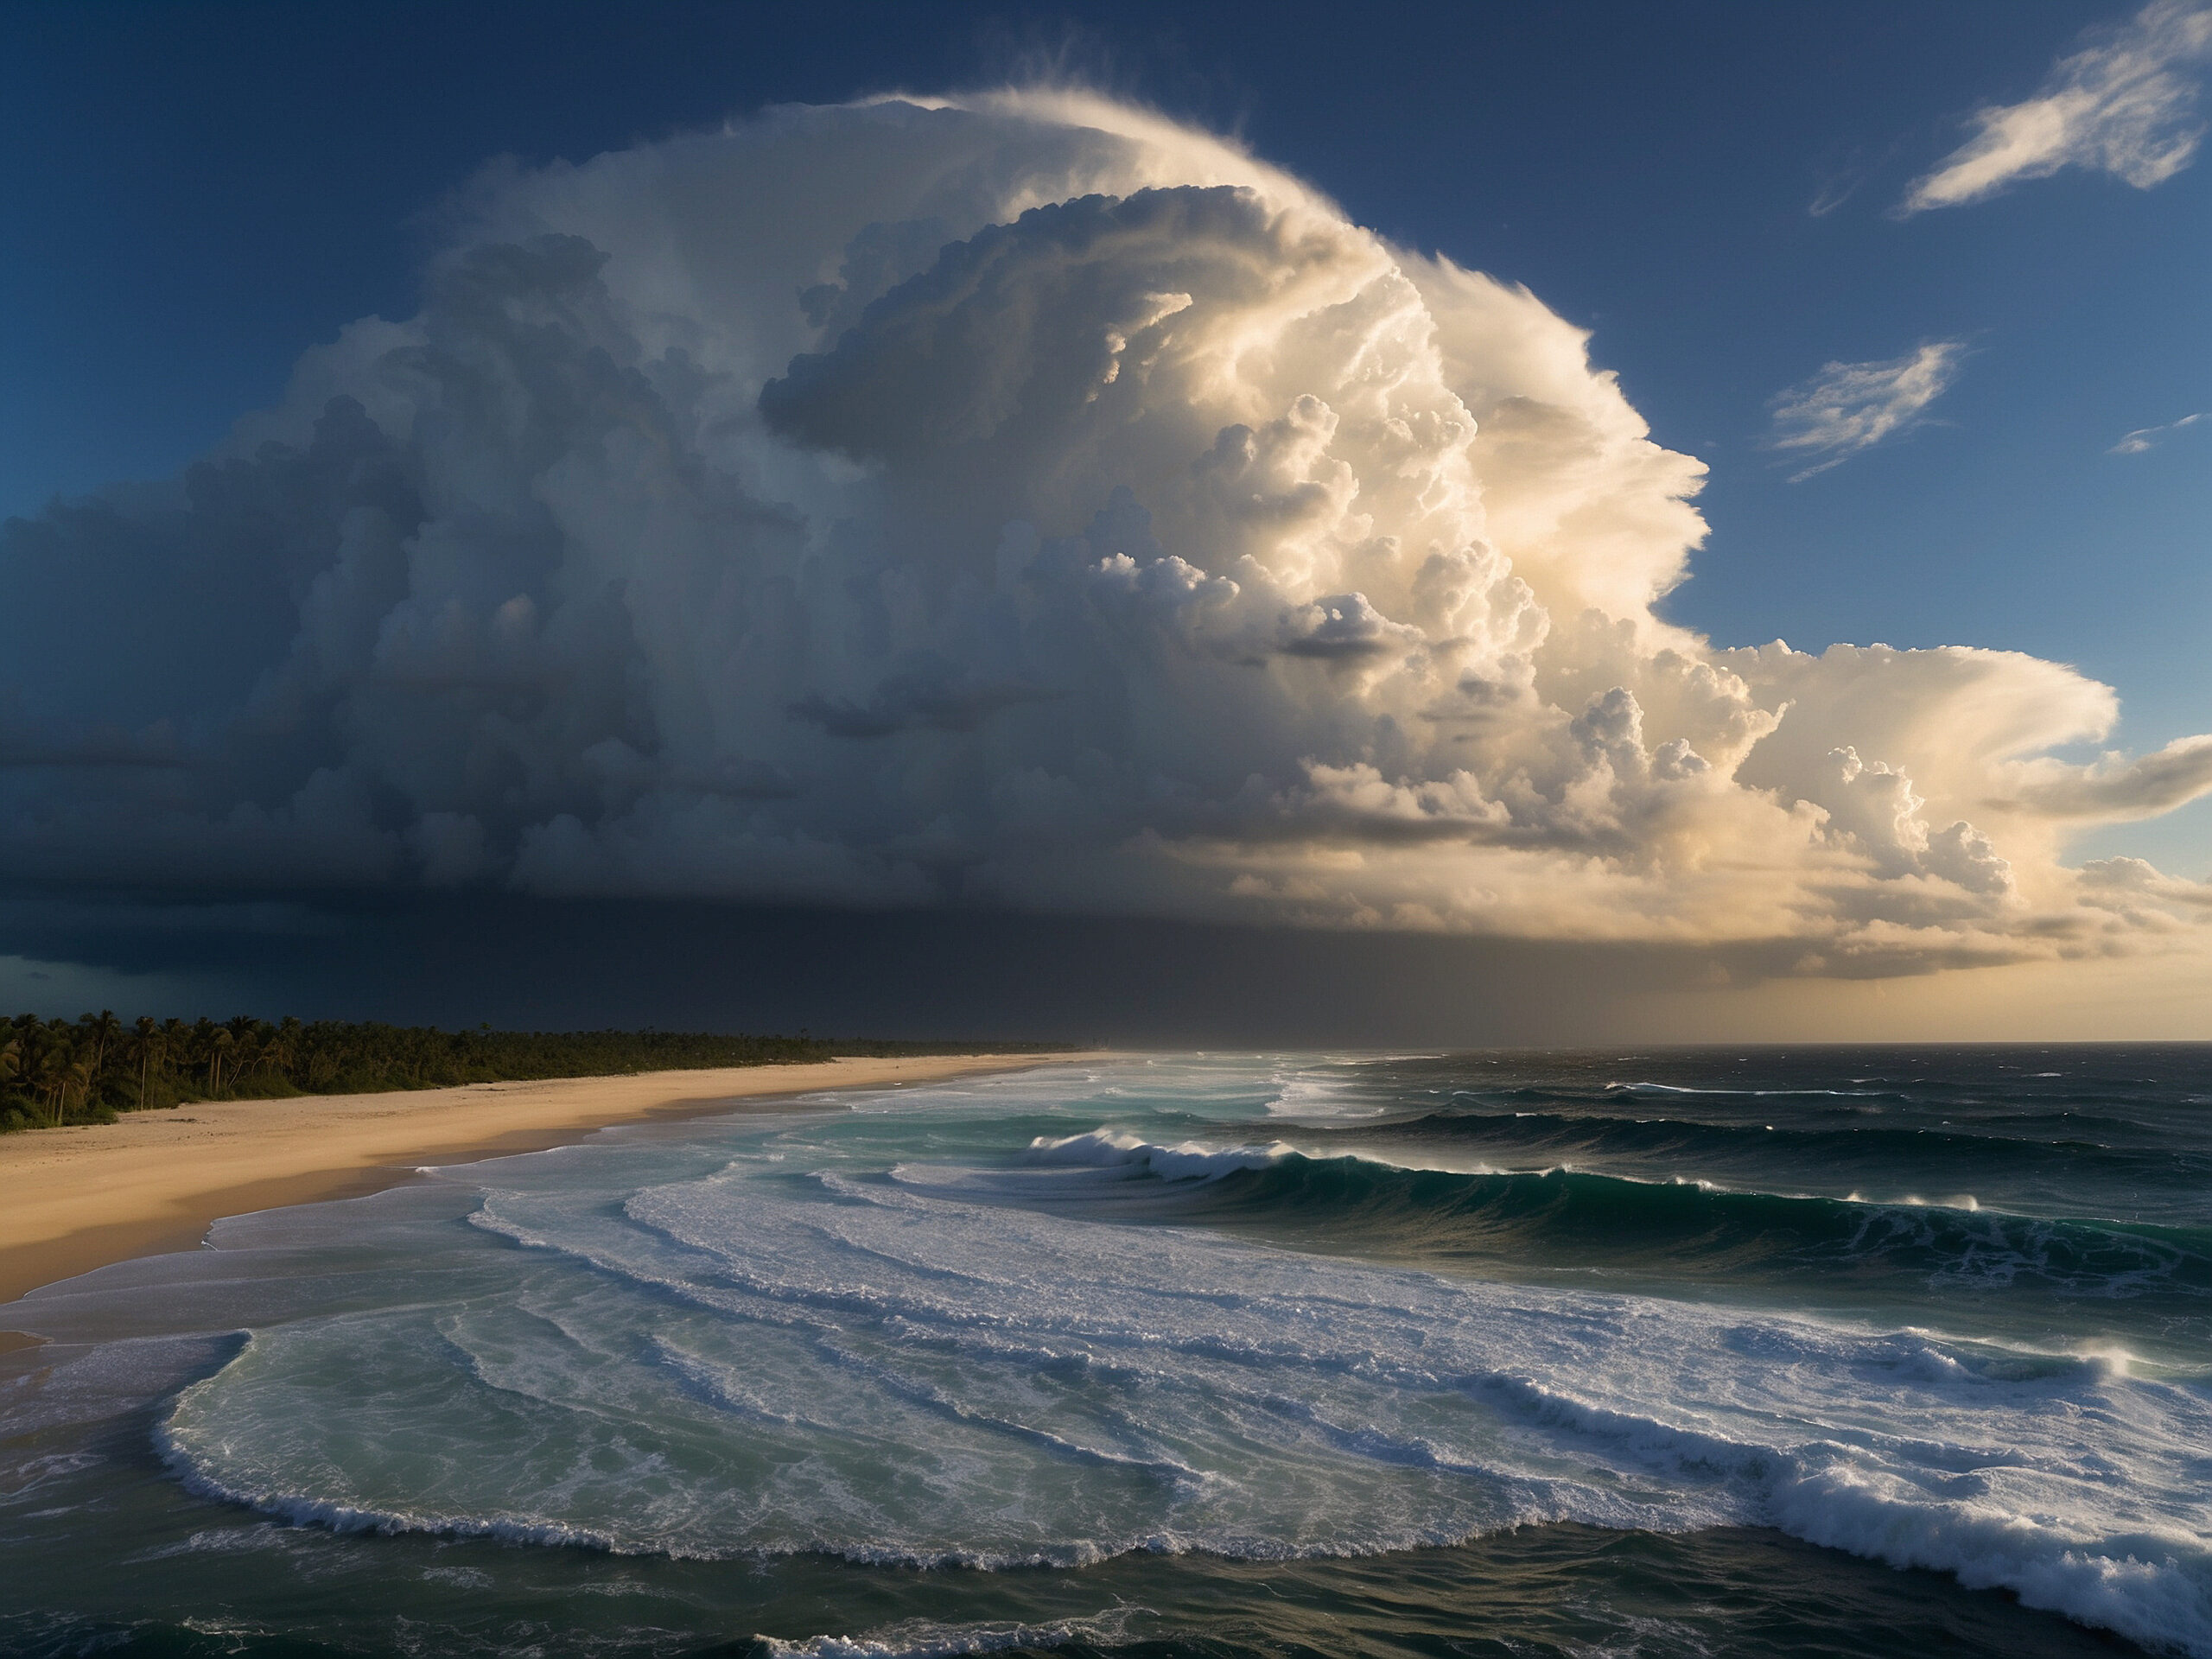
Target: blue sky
[194, 194]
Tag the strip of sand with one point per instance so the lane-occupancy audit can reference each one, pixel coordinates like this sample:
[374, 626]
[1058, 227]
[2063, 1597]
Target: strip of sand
[74, 1199]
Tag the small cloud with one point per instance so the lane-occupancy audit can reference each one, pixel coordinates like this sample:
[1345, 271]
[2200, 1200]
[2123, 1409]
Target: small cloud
[1848, 407]
[1840, 173]
[2125, 104]
[1834, 190]
[1344, 627]
[2117, 791]
[1829, 198]
[2149, 437]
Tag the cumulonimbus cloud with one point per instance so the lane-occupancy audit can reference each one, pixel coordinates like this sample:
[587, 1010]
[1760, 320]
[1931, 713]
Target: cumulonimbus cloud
[2126, 103]
[1020, 500]
[1848, 407]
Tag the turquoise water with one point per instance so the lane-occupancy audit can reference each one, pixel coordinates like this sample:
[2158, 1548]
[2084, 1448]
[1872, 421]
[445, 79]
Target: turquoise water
[1818, 1351]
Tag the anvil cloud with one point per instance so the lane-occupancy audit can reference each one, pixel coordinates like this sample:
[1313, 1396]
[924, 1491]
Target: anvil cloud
[1018, 500]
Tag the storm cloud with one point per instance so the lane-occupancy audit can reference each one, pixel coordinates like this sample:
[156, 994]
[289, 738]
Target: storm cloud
[1015, 501]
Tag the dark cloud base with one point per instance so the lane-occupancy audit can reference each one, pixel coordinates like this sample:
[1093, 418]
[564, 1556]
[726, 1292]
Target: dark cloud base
[528, 962]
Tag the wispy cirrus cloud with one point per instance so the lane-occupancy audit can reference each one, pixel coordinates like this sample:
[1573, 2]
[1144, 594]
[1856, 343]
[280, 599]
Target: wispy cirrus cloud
[2124, 103]
[2149, 437]
[1848, 407]
[1839, 181]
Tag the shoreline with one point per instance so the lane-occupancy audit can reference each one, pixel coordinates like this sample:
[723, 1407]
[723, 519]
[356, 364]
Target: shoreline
[152, 1182]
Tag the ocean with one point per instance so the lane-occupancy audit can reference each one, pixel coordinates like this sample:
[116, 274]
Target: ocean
[1723, 1351]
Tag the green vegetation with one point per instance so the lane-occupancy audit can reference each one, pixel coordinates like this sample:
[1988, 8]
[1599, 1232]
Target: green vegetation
[55, 1072]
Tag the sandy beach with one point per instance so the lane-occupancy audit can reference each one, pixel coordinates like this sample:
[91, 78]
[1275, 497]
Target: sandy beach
[79, 1199]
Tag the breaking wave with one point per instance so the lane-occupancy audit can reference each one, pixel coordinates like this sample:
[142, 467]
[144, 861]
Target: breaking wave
[974, 1365]
[1567, 1215]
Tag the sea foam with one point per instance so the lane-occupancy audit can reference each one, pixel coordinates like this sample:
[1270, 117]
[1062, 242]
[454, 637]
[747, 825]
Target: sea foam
[926, 1639]
[877, 1364]
[1121, 1149]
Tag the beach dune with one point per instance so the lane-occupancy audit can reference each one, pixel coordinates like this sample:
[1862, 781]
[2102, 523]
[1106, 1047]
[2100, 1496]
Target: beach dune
[79, 1199]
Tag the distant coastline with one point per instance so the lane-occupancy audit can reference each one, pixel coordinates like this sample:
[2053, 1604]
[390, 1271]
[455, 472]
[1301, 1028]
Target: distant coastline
[57, 1072]
[84, 1197]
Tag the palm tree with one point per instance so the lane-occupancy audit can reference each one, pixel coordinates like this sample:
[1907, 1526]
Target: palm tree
[245, 1050]
[220, 1043]
[173, 1032]
[79, 1075]
[201, 1049]
[246, 1045]
[43, 1062]
[149, 1040]
[104, 1028]
[281, 1048]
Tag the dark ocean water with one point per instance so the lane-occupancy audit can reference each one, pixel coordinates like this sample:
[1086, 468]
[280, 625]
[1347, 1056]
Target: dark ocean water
[1747, 1352]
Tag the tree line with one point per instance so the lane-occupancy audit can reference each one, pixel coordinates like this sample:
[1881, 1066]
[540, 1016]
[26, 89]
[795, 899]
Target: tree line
[58, 1071]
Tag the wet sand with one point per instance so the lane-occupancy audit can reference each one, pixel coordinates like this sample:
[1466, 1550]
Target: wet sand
[74, 1199]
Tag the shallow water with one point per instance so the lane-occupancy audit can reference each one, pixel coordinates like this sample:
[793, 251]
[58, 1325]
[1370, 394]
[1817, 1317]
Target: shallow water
[1820, 1352]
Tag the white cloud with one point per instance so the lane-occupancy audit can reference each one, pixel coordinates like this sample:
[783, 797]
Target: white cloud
[2125, 104]
[2149, 437]
[1848, 407]
[1016, 501]
[2118, 788]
